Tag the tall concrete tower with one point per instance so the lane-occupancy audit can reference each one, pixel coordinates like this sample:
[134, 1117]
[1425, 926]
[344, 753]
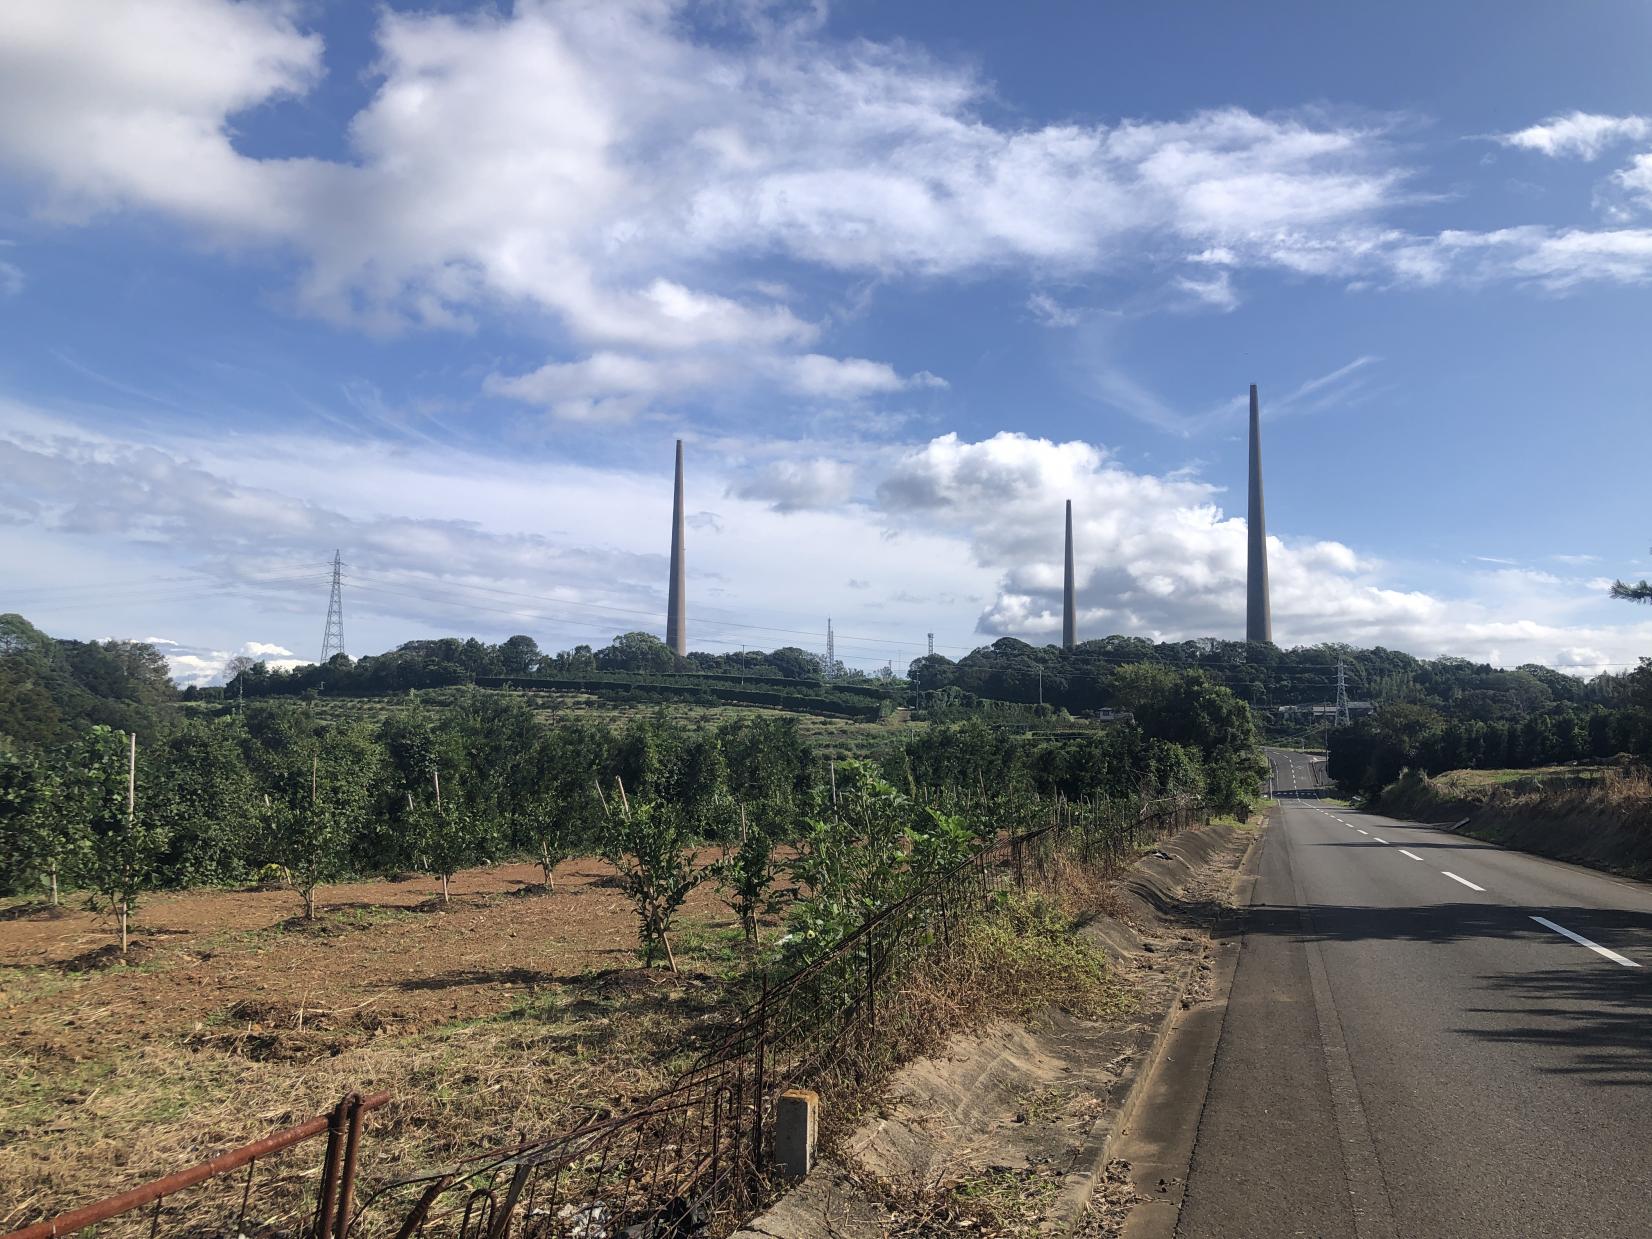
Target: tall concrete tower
[676, 605]
[1069, 604]
[1258, 612]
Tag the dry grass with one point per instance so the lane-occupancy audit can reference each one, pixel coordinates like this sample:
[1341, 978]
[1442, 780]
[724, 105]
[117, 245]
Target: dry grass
[500, 1017]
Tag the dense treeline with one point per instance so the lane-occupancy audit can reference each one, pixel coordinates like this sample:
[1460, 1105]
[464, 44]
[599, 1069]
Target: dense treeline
[1081, 679]
[1371, 753]
[273, 783]
[635, 656]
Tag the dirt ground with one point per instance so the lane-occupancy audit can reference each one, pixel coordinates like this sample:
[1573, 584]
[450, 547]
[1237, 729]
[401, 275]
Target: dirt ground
[235, 1018]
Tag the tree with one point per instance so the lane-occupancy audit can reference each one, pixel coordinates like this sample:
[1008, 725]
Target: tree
[200, 793]
[648, 845]
[40, 836]
[122, 846]
[519, 655]
[1641, 591]
[746, 874]
[639, 652]
[449, 836]
[851, 860]
[317, 786]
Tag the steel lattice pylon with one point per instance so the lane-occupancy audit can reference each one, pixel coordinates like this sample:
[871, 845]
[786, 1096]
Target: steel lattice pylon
[332, 640]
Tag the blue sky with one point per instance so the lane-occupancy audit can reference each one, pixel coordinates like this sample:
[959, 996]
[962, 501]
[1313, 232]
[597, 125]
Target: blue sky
[438, 284]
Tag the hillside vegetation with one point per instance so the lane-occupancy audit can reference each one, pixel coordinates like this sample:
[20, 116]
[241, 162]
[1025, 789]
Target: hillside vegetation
[1596, 816]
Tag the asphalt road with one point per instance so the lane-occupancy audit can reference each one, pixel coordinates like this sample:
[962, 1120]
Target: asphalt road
[1407, 1051]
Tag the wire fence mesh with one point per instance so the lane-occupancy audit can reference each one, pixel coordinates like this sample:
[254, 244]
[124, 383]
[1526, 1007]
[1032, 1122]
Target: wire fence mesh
[697, 1158]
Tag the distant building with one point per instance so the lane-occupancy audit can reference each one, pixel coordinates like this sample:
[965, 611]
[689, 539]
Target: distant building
[1319, 713]
[1109, 715]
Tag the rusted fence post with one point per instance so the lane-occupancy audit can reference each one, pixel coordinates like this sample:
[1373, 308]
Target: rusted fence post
[347, 1172]
[327, 1194]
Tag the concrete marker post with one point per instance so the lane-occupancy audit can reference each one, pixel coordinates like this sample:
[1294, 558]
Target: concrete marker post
[796, 1125]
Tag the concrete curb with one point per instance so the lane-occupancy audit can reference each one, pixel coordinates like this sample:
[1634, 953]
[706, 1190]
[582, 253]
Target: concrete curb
[1071, 1204]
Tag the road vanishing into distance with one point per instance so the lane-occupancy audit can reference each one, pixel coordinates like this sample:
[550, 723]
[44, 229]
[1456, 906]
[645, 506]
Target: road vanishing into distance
[1426, 1036]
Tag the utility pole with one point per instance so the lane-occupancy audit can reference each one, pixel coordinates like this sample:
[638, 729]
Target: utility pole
[1342, 695]
[831, 650]
[332, 640]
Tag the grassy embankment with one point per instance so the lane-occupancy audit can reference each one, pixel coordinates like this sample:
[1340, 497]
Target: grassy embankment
[1590, 815]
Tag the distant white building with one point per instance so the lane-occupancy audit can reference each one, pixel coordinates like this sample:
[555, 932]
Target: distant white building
[1321, 713]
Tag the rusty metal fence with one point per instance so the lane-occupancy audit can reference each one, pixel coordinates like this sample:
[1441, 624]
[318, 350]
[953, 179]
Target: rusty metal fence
[216, 1198]
[695, 1159]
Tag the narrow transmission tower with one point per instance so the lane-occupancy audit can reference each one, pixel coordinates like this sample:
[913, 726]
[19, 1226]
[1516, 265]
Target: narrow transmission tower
[831, 650]
[932, 645]
[332, 641]
[1342, 695]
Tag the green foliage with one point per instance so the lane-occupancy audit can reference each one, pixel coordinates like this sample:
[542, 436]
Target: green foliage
[122, 846]
[746, 873]
[196, 788]
[42, 840]
[447, 838]
[318, 783]
[650, 847]
[851, 860]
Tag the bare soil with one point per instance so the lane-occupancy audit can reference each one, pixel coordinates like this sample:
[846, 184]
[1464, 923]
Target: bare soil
[507, 1010]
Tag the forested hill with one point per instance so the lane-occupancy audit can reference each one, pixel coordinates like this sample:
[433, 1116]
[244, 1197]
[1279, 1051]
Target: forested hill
[51, 688]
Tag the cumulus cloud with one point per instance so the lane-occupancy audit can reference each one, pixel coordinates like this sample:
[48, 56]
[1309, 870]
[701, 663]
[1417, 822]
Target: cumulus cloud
[437, 541]
[1584, 135]
[1159, 557]
[199, 667]
[796, 485]
[603, 165]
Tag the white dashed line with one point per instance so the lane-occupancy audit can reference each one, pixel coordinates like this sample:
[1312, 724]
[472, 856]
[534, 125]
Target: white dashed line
[1379, 840]
[1464, 881]
[1363, 832]
[1412, 855]
[1582, 941]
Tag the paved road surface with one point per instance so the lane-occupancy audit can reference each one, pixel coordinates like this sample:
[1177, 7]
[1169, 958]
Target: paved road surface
[1407, 1051]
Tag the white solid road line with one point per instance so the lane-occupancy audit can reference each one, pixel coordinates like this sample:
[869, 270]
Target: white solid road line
[1582, 941]
[1464, 881]
[1412, 855]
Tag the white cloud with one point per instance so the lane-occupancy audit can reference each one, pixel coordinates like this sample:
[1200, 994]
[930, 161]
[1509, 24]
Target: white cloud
[1581, 134]
[1557, 260]
[1047, 310]
[610, 387]
[814, 374]
[129, 104]
[797, 485]
[607, 386]
[201, 667]
[1215, 292]
[1634, 184]
[12, 279]
[439, 541]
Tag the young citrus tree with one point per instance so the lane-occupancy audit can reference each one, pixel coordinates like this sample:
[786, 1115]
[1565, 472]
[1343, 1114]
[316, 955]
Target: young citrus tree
[648, 843]
[318, 786]
[746, 873]
[449, 835]
[121, 844]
